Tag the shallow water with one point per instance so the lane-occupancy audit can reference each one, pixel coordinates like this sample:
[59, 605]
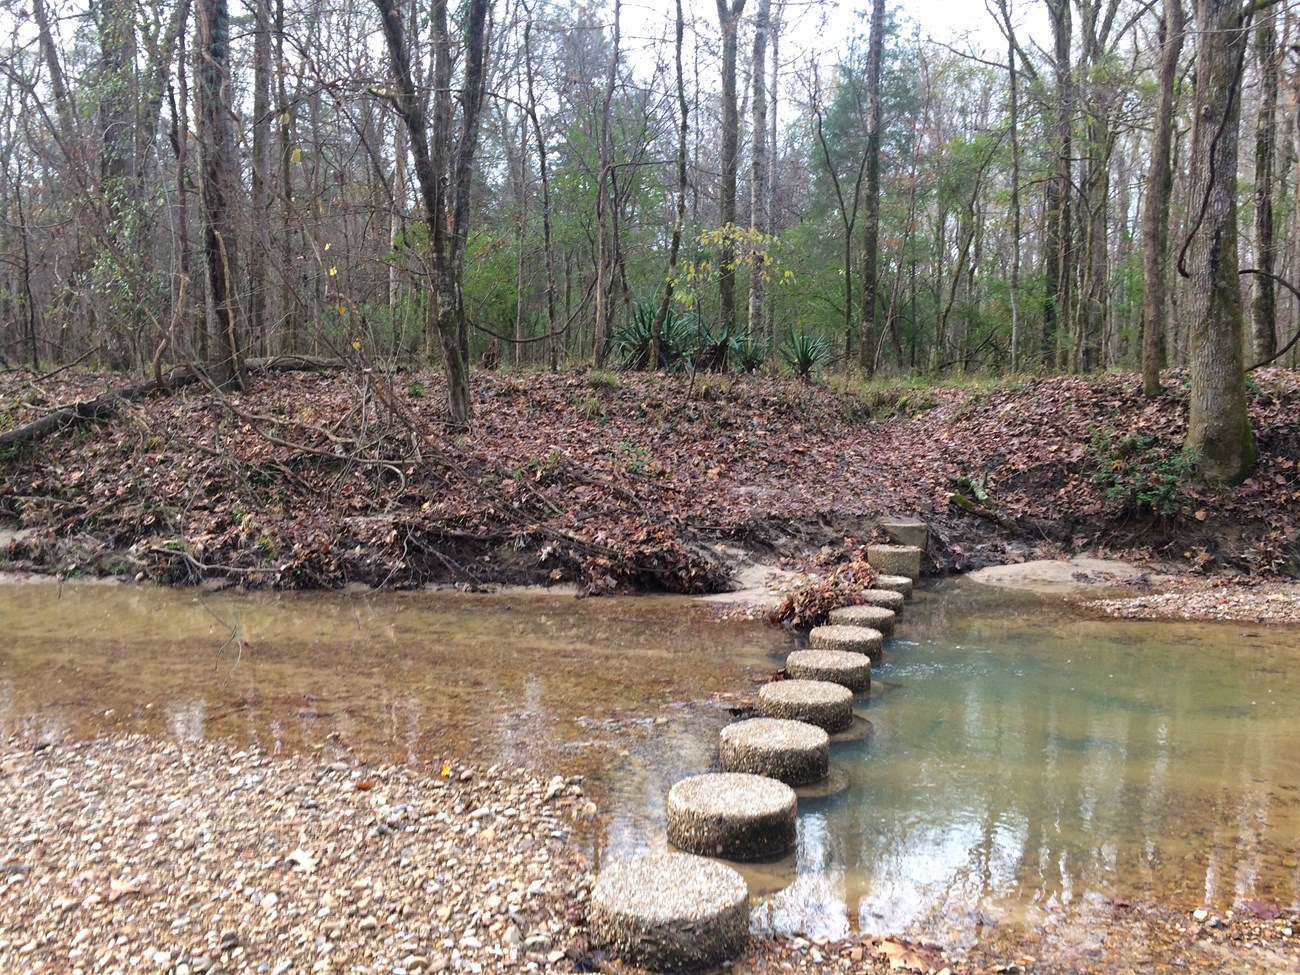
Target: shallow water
[1025, 761]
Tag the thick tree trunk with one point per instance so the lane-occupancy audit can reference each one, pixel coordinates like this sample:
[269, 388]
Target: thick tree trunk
[220, 178]
[1155, 213]
[729, 22]
[1218, 426]
[867, 311]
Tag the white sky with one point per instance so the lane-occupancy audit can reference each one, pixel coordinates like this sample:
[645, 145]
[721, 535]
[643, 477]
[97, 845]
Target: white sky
[824, 26]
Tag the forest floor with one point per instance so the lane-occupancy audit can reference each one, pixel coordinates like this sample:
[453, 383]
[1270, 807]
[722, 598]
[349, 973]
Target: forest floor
[628, 482]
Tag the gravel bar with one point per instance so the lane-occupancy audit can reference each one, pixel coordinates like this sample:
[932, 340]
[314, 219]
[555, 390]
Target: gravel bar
[131, 854]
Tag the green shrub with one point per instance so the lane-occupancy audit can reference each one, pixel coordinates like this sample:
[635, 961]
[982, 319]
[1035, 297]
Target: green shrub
[1139, 478]
[803, 353]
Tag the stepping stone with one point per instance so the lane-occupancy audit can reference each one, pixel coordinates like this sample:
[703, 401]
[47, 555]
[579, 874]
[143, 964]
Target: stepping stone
[824, 703]
[898, 584]
[670, 912]
[907, 531]
[795, 752]
[895, 560]
[853, 670]
[883, 597]
[873, 617]
[854, 639]
[733, 815]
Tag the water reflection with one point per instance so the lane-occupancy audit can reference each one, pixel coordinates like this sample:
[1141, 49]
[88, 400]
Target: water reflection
[1025, 761]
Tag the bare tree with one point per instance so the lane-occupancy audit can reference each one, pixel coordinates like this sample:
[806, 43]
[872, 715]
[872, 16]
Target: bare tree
[220, 179]
[444, 168]
[729, 21]
[1264, 303]
[1155, 214]
[871, 196]
[759, 215]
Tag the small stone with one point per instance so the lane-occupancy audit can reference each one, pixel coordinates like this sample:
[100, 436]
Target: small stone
[269, 901]
[415, 964]
[512, 938]
[162, 959]
[367, 923]
[1200, 914]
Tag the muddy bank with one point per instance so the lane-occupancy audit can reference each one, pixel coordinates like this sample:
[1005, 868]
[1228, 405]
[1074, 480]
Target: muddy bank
[615, 482]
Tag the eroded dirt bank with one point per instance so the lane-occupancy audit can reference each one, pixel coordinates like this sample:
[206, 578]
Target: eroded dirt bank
[620, 481]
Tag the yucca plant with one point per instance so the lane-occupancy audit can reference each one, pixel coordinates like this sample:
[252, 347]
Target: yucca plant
[803, 353]
[747, 353]
[632, 341]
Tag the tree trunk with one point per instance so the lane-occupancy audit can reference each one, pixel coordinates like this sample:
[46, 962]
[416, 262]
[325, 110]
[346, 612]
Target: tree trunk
[220, 178]
[679, 215]
[1155, 213]
[759, 220]
[1058, 229]
[440, 166]
[261, 176]
[729, 22]
[871, 193]
[1264, 304]
[1218, 427]
[606, 201]
[543, 173]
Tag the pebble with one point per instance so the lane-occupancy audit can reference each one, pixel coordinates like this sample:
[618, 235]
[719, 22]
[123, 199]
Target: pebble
[208, 896]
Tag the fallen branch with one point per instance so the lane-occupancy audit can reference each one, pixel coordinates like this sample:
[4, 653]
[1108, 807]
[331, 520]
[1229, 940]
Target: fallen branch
[104, 406]
[979, 503]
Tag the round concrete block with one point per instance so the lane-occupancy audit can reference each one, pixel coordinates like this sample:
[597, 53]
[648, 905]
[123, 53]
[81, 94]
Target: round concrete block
[826, 704]
[899, 584]
[793, 751]
[886, 598]
[733, 815]
[873, 617]
[854, 639]
[853, 670]
[895, 560]
[670, 912]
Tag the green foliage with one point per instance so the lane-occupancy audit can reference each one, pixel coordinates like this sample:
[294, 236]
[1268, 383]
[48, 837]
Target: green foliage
[1138, 477]
[804, 352]
[677, 338]
[747, 353]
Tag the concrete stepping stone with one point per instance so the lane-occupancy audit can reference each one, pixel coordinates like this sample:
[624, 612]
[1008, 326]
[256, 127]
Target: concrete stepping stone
[886, 598]
[895, 560]
[907, 531]
[872, 617]
[899, 584]
[853, 670]
[670, 912]
[733, 815]
[824, 703]
[795, 752]
[854, 639]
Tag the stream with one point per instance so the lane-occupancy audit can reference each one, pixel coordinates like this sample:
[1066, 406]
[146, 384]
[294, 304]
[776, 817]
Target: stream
[1026, 760]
